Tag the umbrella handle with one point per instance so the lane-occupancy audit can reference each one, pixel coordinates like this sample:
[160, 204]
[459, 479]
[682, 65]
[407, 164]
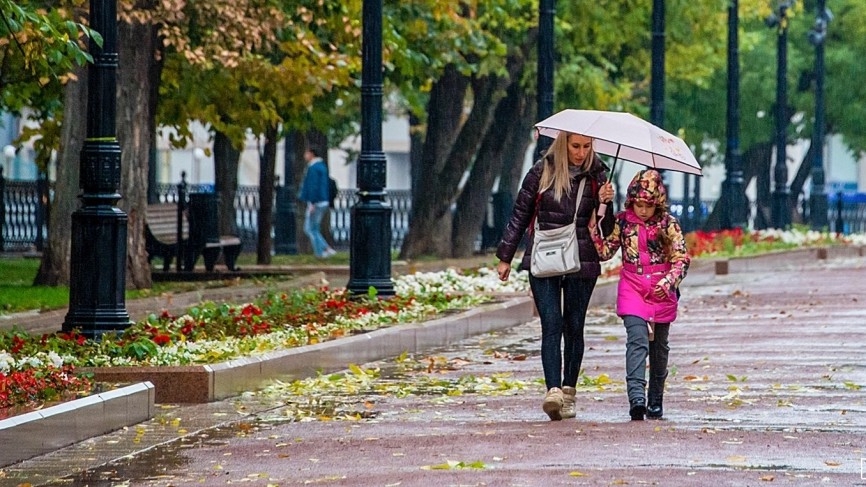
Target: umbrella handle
[602, 209]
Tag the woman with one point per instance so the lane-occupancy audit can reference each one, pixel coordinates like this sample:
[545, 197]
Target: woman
[557, 176]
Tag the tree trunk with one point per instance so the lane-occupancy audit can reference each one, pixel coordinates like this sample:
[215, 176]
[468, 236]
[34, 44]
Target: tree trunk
[509, 132]
[226, 159]
[756, 164]
[804, 172]
[54, 267]
[444, 115]
[298, 170]
[137, 78]
[430, 229]
[267, 181]
[416, 151]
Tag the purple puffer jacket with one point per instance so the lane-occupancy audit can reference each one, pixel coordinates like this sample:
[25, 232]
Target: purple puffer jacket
[553, 214]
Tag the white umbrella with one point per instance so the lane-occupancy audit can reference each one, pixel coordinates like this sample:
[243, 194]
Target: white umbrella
[623, 135]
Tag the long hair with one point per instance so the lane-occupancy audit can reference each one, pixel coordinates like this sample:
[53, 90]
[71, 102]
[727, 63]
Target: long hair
[555, 174]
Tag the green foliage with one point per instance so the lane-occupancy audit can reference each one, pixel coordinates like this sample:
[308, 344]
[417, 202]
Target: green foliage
[38, 50]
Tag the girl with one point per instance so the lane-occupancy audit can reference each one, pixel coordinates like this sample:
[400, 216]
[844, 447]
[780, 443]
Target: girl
[654, 262]
[549, 193]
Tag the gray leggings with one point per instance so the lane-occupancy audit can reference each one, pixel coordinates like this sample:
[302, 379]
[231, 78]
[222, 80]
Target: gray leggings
[637, 348]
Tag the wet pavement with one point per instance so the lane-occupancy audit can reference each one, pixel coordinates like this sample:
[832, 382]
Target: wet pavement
[767, 371]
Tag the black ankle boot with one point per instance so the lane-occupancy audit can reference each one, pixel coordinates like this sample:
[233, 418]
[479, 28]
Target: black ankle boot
[637, 409]
[654, 410]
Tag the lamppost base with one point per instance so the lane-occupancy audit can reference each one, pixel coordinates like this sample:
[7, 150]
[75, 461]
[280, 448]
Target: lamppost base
[285, 242]
[780, 210]
[818, 212]
[97, 303]
[370, 259]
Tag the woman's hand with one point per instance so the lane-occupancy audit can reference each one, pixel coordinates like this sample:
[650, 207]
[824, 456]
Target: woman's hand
[504, 270]
[606, 193]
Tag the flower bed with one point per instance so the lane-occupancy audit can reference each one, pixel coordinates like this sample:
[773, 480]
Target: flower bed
[212, 333]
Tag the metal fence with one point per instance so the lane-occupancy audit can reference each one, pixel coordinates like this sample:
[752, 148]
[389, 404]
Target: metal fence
[24, 214]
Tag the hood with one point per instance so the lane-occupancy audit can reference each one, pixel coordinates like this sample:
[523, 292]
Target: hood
[647, 186]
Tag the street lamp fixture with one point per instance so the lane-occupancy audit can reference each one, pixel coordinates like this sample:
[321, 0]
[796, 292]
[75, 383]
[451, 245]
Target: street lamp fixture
[780, 212]
[818, 205]
[97, 275]
[370, 247]
[735, 214]
[544, 76]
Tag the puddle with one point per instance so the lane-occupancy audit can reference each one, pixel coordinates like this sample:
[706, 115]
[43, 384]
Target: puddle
[165, 463]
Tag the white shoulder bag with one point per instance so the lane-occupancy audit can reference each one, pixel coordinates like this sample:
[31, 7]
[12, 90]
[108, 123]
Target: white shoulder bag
[555, 252]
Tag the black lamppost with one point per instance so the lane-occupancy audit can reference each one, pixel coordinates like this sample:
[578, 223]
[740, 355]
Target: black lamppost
[657, 65]
[544, 76]
[370, 249]
[657, 74]
[818, 206]
[735, 214]
[285, 242]
[97, 303]
[780, 212]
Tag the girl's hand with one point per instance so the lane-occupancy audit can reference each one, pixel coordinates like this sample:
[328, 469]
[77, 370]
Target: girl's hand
[659, 291]
[504, 270]
[592, 223]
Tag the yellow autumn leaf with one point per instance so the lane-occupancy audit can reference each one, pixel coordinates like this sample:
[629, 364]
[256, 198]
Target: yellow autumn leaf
[575, 473]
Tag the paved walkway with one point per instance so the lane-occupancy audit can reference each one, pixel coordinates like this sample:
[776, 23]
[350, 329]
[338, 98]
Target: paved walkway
[765, 389]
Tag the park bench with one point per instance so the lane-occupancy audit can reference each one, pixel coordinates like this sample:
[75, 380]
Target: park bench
[161, 223]
[161, 232]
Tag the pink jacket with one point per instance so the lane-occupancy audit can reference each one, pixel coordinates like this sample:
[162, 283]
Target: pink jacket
[646, 261]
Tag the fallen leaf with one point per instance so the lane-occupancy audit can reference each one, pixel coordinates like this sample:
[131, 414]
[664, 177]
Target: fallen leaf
[767, 478]
[575, 473]
[831, 463]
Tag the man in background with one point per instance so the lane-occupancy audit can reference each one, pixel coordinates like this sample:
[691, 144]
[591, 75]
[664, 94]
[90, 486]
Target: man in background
[315, 193]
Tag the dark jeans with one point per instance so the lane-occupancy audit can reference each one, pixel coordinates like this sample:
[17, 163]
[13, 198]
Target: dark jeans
[561, 302]
[637, 348]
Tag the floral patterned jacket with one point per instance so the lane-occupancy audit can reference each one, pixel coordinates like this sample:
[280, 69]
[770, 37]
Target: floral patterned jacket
[653, 253]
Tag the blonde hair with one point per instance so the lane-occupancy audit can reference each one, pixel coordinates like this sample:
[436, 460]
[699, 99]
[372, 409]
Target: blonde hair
[557, 176]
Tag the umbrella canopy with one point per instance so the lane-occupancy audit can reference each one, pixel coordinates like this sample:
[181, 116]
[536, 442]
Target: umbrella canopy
[624, 136]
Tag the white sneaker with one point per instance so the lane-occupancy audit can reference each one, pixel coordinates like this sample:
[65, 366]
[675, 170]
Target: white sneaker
[568, 407]
[329, 253]
[552, 404]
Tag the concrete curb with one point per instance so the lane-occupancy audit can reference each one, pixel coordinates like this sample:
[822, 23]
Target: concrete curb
[40, 432]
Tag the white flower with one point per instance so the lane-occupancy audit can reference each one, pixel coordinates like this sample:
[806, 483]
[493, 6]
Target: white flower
[55, 359]
[7, 362]
[33, 361]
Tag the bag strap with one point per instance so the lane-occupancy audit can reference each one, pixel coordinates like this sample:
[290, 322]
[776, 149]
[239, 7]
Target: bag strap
[578, 199]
